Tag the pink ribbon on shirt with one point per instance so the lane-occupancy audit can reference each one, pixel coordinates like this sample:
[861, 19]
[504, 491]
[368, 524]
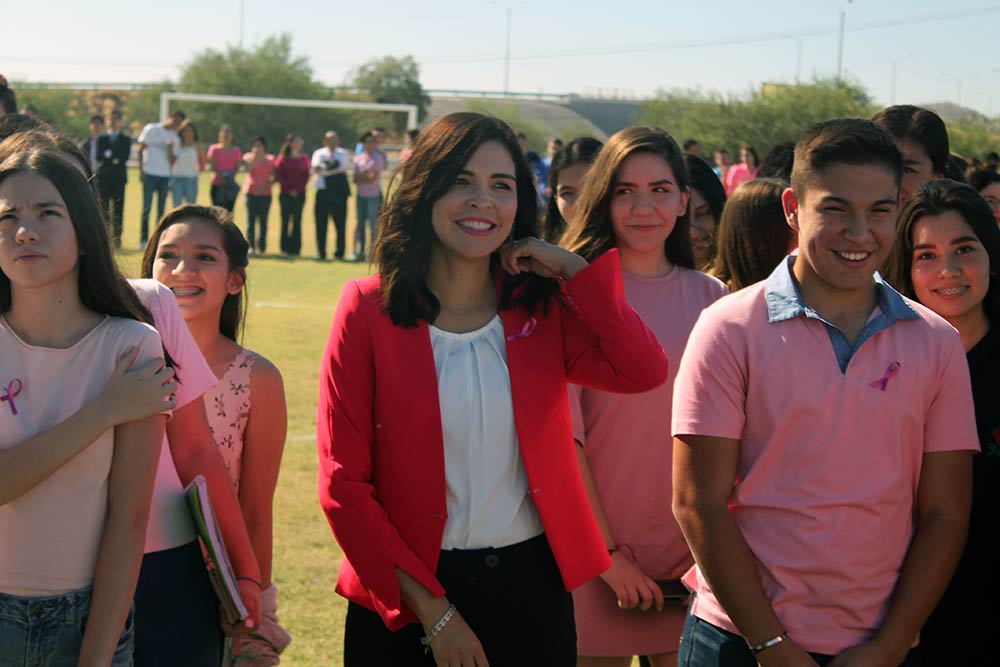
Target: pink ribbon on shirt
[526, 330]
[890, 373]
[13, 389]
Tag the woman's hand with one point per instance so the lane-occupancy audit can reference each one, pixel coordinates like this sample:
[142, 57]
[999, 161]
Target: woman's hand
[250, 593]
[132, 394]
[456, 645]
[785, 654]
[543, 259]
[630, 585]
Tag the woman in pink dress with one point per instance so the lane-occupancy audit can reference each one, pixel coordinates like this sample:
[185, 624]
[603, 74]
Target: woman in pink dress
[745, 171]
[635, 199]
[224, 159]
[260, 177]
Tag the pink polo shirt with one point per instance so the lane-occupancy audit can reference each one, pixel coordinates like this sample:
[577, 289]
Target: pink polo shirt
[829, 461]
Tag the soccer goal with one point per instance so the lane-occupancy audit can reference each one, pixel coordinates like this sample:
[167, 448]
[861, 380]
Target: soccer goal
[167, 97]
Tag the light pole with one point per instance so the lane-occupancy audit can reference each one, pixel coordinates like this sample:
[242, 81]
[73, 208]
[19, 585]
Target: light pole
[242, 21]
[509, 8]
[840, 47]
[798, 59]
[895, 65]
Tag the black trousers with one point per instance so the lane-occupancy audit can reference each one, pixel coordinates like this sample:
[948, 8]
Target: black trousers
[113, 205]
[513, 599]
[258, 208]
[328, 205]
[291, 222]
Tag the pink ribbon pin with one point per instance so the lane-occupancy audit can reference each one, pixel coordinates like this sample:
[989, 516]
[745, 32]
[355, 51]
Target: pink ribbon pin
[890, 373]
[526, 330]
[13, 389]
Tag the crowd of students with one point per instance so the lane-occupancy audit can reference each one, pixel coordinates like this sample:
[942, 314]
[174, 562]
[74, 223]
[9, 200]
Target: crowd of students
[513, 404]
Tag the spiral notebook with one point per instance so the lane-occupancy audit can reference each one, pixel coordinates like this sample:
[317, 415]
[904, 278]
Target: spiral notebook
[220, 570]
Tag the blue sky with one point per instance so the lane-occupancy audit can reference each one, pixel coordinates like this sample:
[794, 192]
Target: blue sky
[625, 48]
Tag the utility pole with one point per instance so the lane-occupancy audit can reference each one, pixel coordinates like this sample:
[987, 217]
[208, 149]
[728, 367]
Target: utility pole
[840, 47]
[895, 64]
[509, 9]
[242, 21]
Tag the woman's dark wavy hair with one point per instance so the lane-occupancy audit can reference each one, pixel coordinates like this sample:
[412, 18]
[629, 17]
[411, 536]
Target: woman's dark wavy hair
[753, 235]
[704, 180]
[912, 123]
[403, 250]
[232, 320]
[582, 150]
[102, 287]
[591, 233]
[933, 199]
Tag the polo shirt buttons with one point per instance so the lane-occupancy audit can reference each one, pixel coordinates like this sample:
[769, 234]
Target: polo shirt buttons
[491, 561]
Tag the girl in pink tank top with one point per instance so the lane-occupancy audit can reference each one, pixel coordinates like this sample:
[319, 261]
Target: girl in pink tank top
[201, 255]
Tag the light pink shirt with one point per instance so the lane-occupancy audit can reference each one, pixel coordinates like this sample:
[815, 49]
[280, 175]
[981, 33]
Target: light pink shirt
[363, 162]
[829, 464]
[626, 437]
[170, 522]
[737, 175]
[50, 536]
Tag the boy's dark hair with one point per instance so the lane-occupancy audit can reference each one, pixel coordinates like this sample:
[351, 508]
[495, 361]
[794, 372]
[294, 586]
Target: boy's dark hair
[688, 143]
[934, 199]
[852, 141]
[8, 100]
[983, 178]
[912, 123]
[96, 118]
[778, 162]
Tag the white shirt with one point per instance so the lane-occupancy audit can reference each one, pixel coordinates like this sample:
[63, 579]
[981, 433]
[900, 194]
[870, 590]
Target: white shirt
[323, 156]
[186, 165]
[154, 158]
[488, 502]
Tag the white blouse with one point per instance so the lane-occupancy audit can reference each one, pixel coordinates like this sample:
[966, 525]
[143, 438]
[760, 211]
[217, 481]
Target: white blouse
[488, 501]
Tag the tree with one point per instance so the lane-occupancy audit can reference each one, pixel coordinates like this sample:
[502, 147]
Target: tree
[392, 80]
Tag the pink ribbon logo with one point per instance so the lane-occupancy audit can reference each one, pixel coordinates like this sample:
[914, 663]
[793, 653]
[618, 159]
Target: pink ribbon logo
[13, 389]
[526, 330]
[890, 373]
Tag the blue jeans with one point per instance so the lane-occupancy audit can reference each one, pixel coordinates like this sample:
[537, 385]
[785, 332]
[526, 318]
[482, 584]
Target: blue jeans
[706, 645]
[184, 189]
[151, 184]
[48, 631]
[367, 208]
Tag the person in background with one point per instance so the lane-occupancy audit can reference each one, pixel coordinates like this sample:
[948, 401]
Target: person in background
[112, 165]
[922, 137]
[635, 199]
[224, 159]
[723, 160]
[778, 162]
[947, 245]
[707, 201]
[566, 175]
[155, 156]
[8, 100]
[94, 145]
[554, 145]
[368, 168]
[745, 171]
[409, 138]
[753, 234]
[693, 147]
[292, 172]
[987, 183]
[189, 162]
[258, 187]
[331, 164]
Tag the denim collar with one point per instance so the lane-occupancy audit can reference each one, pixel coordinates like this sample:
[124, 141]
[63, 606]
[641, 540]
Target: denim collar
[784, 301]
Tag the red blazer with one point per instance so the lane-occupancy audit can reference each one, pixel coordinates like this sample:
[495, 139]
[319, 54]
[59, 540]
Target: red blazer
[381, 451]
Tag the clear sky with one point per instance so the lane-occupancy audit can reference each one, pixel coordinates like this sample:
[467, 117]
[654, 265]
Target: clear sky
[582, 46]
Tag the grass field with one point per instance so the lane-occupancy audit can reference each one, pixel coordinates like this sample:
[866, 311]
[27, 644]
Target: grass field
[291, 305]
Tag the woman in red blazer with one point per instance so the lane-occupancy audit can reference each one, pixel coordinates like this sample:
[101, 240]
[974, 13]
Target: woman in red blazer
[447, 468]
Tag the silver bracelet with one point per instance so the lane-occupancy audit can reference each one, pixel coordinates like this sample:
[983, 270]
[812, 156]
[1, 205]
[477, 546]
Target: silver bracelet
[774, 641]
[438, 627]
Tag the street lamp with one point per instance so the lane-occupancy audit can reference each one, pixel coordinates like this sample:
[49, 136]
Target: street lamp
[895, 65]
[509, 8]
[840, 47]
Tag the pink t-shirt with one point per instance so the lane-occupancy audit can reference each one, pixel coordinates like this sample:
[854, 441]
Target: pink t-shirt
[829, 462]
[737, 175]
[259, 174]
[50, 536]
[627, 442]
[226, 159]
[170, 522]
[364, 161]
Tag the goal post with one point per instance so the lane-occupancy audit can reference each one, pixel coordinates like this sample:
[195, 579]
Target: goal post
[167, 97]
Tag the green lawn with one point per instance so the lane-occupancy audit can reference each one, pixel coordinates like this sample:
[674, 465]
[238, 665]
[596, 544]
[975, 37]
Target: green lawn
[291, 305]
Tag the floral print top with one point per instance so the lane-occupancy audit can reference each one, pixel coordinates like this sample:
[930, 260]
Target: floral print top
[227, 406]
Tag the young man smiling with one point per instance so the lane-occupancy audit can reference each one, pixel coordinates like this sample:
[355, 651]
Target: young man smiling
[823, 433]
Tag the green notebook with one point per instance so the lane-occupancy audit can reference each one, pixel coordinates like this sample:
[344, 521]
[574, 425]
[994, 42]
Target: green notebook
[220, 570]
